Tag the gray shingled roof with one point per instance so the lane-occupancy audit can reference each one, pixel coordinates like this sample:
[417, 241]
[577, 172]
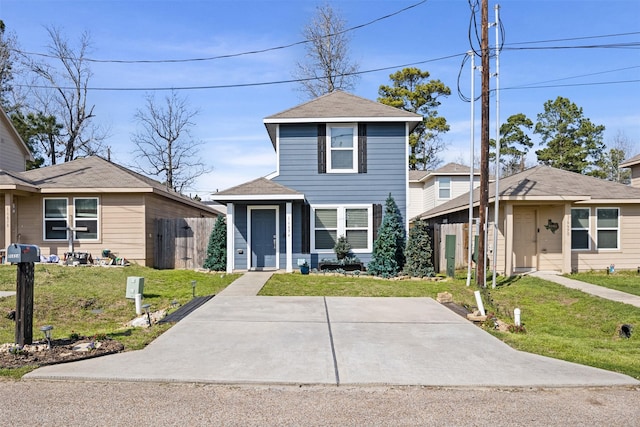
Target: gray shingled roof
[336, 107]
[448, 169]
[262, 188]
[13, 181]
[95, 174]
[89, 172]
[632, 161]
[542, 183]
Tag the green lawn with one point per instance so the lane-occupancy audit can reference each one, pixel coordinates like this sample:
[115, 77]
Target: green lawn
[560, 322]
[625, 281]
[91, 300]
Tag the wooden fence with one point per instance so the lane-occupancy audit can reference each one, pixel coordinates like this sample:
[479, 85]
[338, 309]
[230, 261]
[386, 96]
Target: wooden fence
[461, 231]
[181, 242]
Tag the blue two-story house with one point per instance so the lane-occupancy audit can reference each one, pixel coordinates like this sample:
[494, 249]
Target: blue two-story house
[339, 156]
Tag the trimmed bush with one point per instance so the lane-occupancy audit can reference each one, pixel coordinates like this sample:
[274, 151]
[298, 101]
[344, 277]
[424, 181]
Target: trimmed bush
[387, 258]
[419, 253]
[217, 249]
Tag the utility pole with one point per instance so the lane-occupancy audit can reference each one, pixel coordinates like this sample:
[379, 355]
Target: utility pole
[484, 144]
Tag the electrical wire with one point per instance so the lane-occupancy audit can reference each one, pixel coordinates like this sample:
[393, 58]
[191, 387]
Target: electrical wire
[231, 55]
[239, 85]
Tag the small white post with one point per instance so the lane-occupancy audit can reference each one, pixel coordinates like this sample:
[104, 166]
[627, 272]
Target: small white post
[479, 302]
[516, 316]
[138, 299]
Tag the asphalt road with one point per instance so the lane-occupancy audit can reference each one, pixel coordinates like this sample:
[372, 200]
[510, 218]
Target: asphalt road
[144, 404]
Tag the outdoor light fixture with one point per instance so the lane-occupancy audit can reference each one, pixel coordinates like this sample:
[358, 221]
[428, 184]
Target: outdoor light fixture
[46, 330]
[146, 308]
[193, 286]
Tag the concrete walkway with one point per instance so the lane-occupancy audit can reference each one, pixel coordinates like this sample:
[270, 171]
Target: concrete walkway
[237, 338]
[4, 294]
[600, 291]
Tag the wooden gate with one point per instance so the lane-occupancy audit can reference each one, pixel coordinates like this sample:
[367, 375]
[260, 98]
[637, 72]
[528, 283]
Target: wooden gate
[181, 242]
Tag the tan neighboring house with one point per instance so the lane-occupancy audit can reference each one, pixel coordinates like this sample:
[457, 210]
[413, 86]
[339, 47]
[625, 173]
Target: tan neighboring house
[103, 205]
[633, 164]
[551, 219]
[14, 153]
[428, 189]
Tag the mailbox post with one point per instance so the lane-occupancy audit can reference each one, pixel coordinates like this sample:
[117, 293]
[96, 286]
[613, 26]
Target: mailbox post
[24, 256]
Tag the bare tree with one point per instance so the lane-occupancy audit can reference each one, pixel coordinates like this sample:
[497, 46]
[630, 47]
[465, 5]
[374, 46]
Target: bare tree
[327, 66]
[8, 61]
[67, 95]
[165, 147]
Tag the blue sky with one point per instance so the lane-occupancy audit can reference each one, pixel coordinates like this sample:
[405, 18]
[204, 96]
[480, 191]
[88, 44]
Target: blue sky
[229, 122]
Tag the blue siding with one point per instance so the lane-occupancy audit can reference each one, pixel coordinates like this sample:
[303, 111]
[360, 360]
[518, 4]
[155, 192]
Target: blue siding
[386, 167]
[240, 236]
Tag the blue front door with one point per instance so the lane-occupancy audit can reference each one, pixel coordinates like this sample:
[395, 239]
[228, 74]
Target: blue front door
[263, 238]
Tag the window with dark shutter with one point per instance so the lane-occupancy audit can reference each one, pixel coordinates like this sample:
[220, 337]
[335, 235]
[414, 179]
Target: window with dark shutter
[306, 229]
[322, 148]
[377, 220]
[362, 148]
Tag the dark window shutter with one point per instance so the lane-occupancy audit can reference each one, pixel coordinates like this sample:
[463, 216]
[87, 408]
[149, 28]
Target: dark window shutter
[362, 148]
[306, 229]
[377, 220]
[322, 148]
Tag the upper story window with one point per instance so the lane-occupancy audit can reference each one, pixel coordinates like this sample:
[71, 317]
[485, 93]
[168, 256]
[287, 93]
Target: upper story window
[444, 187]
[55, 219]
[607, 228]
[342, 149]
[580, 228]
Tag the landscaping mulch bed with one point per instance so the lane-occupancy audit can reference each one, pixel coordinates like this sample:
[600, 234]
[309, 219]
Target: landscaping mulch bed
[61, 351]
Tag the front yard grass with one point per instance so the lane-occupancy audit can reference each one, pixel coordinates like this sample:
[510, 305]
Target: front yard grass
[91, 300]
[625, 280]
[562, 323]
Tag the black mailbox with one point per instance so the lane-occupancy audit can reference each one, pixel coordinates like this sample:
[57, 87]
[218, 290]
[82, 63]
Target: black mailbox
[22, 253]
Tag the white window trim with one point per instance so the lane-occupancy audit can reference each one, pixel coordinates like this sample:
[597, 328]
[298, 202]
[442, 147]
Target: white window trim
[44, 219]
[581, 229]
[438, 180]
[97, 219]
[342, 226]
[617, 248]
[354, 126]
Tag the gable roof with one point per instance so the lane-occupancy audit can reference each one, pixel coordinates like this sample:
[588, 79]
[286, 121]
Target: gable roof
[545, 183]
[631, 162]
[258, 189]
[96, 175]
[339, 107]
[450, 169]
[13, 181]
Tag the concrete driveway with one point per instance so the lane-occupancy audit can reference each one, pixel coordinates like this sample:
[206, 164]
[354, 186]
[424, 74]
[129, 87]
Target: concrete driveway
[331, 341]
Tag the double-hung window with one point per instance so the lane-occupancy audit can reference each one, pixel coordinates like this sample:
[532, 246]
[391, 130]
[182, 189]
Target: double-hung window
[55, 219]
[86, 218]
[342, 149]
[444, 187]
[580, 228]
[607, 228]
[355, 223]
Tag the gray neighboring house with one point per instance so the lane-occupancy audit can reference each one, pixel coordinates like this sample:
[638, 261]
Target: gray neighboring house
[551, 219]
[338, 157]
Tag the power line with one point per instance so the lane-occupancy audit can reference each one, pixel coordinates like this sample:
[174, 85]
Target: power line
[231, 55]
[577, 38]
[571, 85]
[240, 85]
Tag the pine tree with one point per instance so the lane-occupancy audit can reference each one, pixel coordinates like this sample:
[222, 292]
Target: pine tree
[388, 249]
[217, 249]
[419, 251]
